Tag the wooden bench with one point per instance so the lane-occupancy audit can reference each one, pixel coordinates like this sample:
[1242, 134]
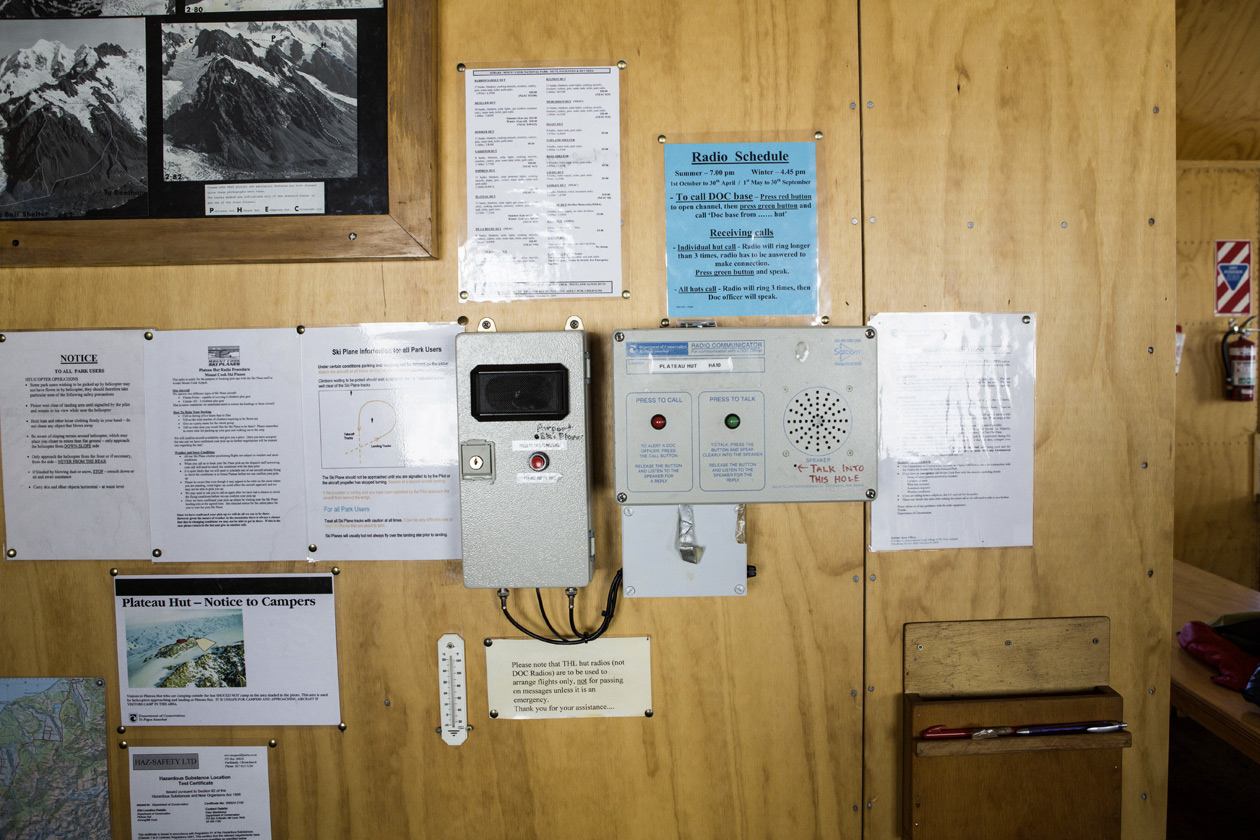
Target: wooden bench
[1199, 595]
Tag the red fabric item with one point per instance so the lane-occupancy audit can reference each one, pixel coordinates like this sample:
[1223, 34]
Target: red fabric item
[1206, 645]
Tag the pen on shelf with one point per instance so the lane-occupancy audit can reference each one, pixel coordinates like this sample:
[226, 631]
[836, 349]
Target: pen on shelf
[940, 731]
[1095, 726]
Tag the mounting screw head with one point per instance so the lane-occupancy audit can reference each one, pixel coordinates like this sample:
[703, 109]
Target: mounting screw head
[485, 324]
[494, 713]
[336, 570]
[487, 642]
[853, 693]
[852, 107]
[872, 577]
[970, 225]
[463, 295]
[664, 322]
[342, 726]
[1027, 319]
[1150, 573]
[870, 494]
[462, 320]
[574, 323]
[870, 104]
[621, 497]
[122, 729]
[920, 647]
[619, 336]
[1062, 224]
[826, 319]
[1095, 641]
[648, 713]
[353, 236]
[122, 745]
[301, 330]
[660, 138]
[157, 552]
[272, 743]
[1155, 110]
[1150, 221]
[629, 590]
[818, 135]
[625, 295]
[740, 589]
[621, 65]
[460, 68]
[148, 336]
[1008, 642]
[870, 333]
[855, 578]
[112, 572]
[12, 552]
[312, 548]
[3, 338]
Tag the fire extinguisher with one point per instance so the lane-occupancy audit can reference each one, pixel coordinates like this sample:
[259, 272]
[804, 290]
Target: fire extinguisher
[1240, 363]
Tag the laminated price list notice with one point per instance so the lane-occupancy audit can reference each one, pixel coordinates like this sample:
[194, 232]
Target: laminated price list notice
[741, 228]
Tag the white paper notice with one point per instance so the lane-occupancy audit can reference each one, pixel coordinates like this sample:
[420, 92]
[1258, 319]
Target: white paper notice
[379, 407]
[292, 198]
[200, 793]
[956, 430]
[543, 171]
[232, 650]
[605, 678]
[72, 434]
[225, 445]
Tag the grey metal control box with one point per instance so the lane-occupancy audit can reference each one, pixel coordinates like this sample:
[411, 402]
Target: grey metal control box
[524, 481]
[744, 414]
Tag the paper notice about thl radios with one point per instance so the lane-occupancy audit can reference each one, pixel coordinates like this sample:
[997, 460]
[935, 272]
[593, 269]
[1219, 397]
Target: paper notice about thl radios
[956, 430]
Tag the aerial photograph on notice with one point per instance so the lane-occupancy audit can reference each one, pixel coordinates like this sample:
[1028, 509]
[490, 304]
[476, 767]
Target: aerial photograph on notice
[84, 8]
[72, 118]
[54, 774]
[281, 5]
[272, 100]
[174, 648]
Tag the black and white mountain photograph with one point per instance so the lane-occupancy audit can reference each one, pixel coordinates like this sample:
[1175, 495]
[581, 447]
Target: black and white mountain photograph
[266, 100]
[281, 5]
[72, 118]
[84, 8]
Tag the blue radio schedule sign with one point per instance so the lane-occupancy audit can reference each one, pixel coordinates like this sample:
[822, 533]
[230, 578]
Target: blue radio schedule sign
[741, 228]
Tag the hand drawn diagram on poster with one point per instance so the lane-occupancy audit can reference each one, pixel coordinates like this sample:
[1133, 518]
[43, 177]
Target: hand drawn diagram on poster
[54, 771]
[741, 228]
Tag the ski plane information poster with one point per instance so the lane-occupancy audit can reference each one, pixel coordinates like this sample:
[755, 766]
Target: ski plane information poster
[230, 650]
[379, 406]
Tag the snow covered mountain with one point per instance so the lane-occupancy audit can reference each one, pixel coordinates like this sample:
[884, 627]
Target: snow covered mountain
[275, 99]
[72, 130]
[84, 8]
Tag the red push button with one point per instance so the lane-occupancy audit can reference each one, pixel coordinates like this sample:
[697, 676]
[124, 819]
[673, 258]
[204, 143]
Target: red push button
[658, 421]
[538, 462]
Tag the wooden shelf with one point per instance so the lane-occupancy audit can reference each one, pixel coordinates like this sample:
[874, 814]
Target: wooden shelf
[928, 748]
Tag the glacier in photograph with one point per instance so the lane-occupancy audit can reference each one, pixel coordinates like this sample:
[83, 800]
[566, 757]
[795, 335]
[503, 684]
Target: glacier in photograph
[266, 100]
[72, 118]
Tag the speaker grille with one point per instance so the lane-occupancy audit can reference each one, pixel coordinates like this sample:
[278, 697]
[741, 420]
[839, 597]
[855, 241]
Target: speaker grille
[817, 421]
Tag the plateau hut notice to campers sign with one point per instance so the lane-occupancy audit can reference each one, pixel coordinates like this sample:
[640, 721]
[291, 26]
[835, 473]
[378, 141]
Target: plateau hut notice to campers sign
[741, 228]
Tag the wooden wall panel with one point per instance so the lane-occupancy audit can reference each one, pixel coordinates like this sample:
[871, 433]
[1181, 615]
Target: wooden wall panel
[757, 729]
[1218, 101]
[1215, 519]
[1036, 122]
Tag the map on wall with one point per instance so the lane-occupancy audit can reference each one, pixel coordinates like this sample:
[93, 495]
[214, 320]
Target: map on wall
[54, 779]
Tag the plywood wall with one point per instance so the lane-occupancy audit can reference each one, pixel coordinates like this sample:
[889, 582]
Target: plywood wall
[1017, 117]
[1216, 517]
[1036, 122]
[1218, 101]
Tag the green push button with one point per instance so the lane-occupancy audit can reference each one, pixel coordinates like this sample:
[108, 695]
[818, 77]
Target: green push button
[732, 421]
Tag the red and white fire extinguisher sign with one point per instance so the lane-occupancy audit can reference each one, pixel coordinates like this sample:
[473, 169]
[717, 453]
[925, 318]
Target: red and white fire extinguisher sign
[1240, 364]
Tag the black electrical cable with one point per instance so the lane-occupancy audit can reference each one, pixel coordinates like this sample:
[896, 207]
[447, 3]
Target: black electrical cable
[610, 609]
[543, 610]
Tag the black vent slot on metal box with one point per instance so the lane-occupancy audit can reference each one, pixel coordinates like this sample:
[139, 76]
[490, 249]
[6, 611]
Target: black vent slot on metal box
[520, 392]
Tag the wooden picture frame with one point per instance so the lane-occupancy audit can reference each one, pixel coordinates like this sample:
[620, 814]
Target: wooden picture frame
[406, 232]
